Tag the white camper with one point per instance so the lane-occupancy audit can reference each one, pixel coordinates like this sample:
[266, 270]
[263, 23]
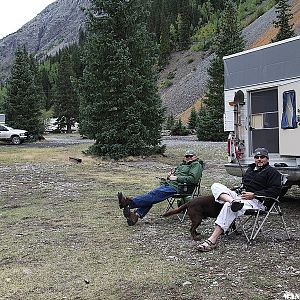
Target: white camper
[262, 106]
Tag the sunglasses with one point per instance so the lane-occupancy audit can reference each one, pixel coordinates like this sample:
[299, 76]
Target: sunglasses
[189, 156]
[259, 156]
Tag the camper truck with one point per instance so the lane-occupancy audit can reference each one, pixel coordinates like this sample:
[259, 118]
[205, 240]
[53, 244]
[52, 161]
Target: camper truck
[262, 107]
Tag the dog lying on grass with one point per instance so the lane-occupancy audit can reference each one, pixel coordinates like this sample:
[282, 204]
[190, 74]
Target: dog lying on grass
[198, 209]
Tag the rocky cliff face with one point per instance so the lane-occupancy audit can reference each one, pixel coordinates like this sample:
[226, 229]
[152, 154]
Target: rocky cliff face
[55, 27]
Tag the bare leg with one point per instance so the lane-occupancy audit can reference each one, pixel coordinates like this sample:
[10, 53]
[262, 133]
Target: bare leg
[218, 230]
[216, 233]
[210, 243]
[225, 197]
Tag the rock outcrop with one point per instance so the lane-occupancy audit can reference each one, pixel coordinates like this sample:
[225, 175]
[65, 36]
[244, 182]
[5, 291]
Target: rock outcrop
[55, 27]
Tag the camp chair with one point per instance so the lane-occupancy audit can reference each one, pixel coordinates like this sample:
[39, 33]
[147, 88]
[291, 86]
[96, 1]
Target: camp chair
[252, 222]
[185, 194]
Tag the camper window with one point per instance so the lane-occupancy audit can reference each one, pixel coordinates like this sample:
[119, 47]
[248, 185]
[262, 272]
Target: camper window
[265, 120]
[271, 120]
[288, 119]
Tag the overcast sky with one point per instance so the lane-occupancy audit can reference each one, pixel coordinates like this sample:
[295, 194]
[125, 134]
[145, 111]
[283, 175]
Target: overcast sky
[15, 13]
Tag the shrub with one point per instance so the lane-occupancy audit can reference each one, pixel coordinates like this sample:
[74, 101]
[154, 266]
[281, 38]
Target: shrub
[165, 83]
[204, 37]
[179, 129]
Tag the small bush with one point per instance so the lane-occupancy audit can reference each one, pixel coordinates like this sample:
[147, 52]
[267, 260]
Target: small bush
[179, 129]
[190, 60]
[204, 37]
[171, 75]
[165, 83]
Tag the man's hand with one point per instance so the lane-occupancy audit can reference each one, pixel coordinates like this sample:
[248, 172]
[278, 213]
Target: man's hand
[247, 195]
[170, 173]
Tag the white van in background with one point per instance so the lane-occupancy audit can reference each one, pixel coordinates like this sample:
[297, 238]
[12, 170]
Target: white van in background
[53, 126]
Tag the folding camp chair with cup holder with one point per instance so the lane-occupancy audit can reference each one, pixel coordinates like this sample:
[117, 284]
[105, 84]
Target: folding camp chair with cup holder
[185, 193]
[252, 222]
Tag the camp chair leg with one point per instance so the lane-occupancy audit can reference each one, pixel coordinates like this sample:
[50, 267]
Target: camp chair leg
[257, 227]
[285, 228]
[279, 212]
[181, 218]
[255, 232]
[240, 225]
[170, 204]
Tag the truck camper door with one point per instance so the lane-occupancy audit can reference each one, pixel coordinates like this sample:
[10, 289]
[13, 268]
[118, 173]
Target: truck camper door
[264, 130]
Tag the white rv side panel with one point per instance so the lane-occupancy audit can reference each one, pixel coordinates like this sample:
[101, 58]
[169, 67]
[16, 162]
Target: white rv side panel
[289, 138]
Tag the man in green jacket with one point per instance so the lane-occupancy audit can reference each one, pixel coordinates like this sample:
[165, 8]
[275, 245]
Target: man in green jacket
[189, 172]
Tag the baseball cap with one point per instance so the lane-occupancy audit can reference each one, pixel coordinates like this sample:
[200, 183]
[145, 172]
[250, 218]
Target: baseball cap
[261, 151]
[190, 152]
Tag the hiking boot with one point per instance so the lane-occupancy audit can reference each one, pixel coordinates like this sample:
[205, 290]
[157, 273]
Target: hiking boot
[131, 216]
[236, 206]
[123, 201]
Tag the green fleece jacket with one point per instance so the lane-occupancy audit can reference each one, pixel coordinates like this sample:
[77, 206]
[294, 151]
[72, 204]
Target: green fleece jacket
[188, 172]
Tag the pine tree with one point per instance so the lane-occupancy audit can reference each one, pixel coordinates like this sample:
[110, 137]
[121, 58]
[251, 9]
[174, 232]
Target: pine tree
[66, 104]
[155, 18]
[228, 41]
[210, 118]
[282, 22]
[179, 128]
[22, 102]
[2, 97]
[47, 87]
[184, 26]
[38, 81]
[165, 44]
[170, 122]
[120, 105]
[193, 119]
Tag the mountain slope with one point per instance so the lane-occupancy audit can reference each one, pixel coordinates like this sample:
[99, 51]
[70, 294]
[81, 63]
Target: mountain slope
[190, 68]
[55, 27]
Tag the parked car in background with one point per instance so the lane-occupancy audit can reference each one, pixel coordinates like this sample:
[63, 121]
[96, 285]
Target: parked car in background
[52, 125]
[15, 136]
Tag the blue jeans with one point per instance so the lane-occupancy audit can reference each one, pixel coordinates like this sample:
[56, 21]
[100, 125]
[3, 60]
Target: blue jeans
[144, 202]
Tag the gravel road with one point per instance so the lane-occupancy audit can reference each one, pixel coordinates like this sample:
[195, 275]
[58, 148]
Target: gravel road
[59, 140]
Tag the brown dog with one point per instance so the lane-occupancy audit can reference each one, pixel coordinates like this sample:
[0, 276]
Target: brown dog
[198, 209]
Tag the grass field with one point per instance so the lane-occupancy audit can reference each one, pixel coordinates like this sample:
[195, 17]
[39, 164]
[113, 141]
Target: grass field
[63, 235]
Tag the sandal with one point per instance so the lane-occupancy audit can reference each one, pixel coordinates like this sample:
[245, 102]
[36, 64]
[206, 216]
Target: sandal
[206, 246]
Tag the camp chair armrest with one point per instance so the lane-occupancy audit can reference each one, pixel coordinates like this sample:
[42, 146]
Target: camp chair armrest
[265, 198]
[181, 195]
[186, 189]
